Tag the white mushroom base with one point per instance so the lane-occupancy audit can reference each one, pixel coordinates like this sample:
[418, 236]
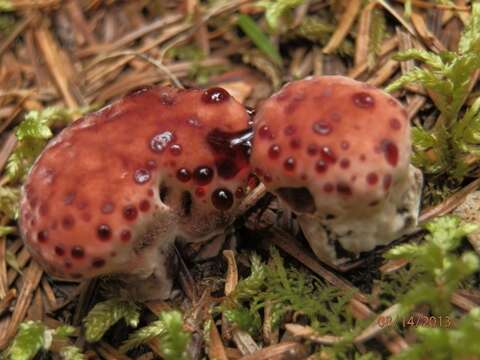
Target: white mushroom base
[364, 230]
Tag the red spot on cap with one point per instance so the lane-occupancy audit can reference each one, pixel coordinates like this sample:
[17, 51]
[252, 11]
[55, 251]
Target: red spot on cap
[130, 212]
[395, 124]
[59, 250]
[289, 164]
[328, 155]
[363, 100]
[372, 178]
[312, 149]
[295, 143]
[151, 164]
[274, 151]
[144, 205]
[77, 252]
[125, 235]
[42, 236]
[98, 263]
[265, 133]
[344, 189]
[200, 191]
[391, 152]
[321, 166]
[104, 232]
[328, 187]
[68, 222]
[344, 163]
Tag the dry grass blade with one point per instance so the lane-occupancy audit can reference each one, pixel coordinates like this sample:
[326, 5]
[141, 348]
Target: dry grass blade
[425, 34]
[57, 64]
[20, 28]
[231, 280]
[397, 16]
[287, 350]
[363, 36]
[7, 300]
[216, 349]
[306, 332]
[343, 27]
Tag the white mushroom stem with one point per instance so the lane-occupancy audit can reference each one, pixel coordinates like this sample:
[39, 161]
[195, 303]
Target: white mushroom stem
[364, 230]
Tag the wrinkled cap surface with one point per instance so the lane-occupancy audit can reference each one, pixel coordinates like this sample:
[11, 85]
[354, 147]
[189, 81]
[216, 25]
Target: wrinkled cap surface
[331, 143]
[128, 176]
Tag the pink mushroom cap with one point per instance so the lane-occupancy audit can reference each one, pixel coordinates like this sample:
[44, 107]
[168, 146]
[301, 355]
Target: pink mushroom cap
[119, 184]
[331, 144]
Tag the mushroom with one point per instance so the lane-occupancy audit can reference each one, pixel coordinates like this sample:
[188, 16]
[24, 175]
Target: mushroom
[111, 192]
[337, 152]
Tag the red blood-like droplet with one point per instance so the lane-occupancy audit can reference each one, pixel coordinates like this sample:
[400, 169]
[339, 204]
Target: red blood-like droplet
[274, 151]
[391, 152]
[363, 100]
[176, 149]
[104, 232]
[183, 175]
[159, 142]
[328, 155]
[395, 124]
[42, 236]
[77, 252]
[203, 175]
[265, 133]
[289, 164]
[222, 199]
[215, 95]
[59, 250]
[141, 176]
[321, 166]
